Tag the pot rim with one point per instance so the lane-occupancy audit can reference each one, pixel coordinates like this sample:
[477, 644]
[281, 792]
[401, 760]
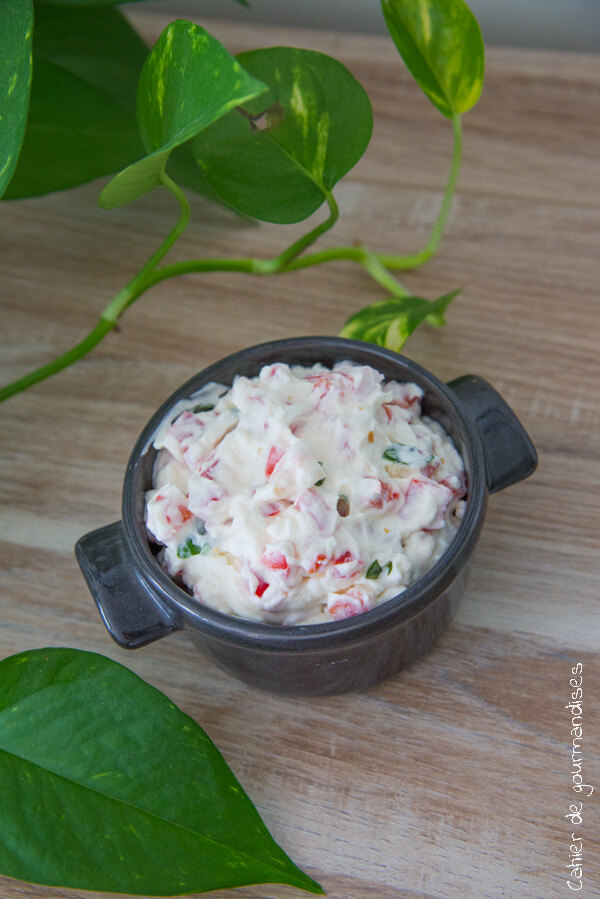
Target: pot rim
[261, 635]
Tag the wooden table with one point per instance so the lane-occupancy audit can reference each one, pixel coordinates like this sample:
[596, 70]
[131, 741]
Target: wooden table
[453, 779]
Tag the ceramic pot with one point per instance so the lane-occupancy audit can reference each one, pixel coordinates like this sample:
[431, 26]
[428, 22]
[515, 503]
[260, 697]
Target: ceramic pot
[139, 603]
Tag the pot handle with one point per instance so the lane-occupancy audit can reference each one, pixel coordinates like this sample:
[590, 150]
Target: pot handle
[510, 455]
[133, 617]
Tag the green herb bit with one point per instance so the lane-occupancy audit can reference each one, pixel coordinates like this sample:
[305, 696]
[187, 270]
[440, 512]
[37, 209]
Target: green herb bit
[202, 408]
[201, 528]
[320, 483]
[374, 570]
[429, 459]
[402, 453]
[389, 567]
[189, 548]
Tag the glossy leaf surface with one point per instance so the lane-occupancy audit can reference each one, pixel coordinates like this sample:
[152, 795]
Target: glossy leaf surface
[16, 22]
[106, 785]
[188, 81]
[440, 41]
[390, 322]
[277, 158]
[81, 122]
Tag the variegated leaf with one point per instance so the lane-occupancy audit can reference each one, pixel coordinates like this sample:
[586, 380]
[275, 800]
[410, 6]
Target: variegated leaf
[16, 22]
[390, 322]
[188, 82]
[441, 44]
[276, 159]
[108, 786]
[81, 123]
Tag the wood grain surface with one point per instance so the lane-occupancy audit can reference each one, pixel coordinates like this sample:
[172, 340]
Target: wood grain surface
[453, 779]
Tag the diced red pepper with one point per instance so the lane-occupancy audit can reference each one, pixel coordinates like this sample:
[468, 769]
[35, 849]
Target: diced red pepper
[185, 513]
[319, 562]
[345, 557]
[387, 494]
[262, 586]
[352, 603]
[207, 472]
[274, 560]
[275, 454]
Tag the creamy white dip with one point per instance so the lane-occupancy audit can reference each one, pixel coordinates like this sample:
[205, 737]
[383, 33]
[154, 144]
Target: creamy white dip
[303, 495]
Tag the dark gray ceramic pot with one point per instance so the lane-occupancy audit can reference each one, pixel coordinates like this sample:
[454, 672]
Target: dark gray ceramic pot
[139, 603]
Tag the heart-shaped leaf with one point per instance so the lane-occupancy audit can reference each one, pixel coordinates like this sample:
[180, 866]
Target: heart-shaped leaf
[188, 82]
[390, 322]
[16, 22]
[440, 41]
[106, 785]
[81, 122]
[276, 159]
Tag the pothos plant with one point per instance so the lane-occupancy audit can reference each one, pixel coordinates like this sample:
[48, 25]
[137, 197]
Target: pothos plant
[269, 133]
[106, 785]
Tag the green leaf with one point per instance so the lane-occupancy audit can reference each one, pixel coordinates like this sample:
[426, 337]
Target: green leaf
[16, 22]
[184, 170]
[188, 82]
[440, 41]
[108, 786]
[390, 322]
[81, 122]
[403, 454]
[203, 407]
[189, 548]
[374, 571]
[277, 159]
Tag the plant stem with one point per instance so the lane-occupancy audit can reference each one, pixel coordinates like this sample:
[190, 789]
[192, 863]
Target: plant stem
[51, 368]
[414, 260]
[376, 264]
[110, 315]
[140, 282]
[300, 245]
[380, 274]
[440, 223]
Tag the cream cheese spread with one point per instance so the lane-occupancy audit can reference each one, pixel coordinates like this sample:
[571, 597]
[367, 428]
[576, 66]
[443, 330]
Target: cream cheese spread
[303, 495]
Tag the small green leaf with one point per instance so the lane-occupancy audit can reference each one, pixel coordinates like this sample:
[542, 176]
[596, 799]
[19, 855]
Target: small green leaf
[203, 408]
[188, 81]
[390, 322]
[81, 122]
[277, 158]
[403, 454]
[389, 567]
[320, 482]
[16, 23]
[374, 570]
[190, 548]
[108, 786]
[440, 41]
